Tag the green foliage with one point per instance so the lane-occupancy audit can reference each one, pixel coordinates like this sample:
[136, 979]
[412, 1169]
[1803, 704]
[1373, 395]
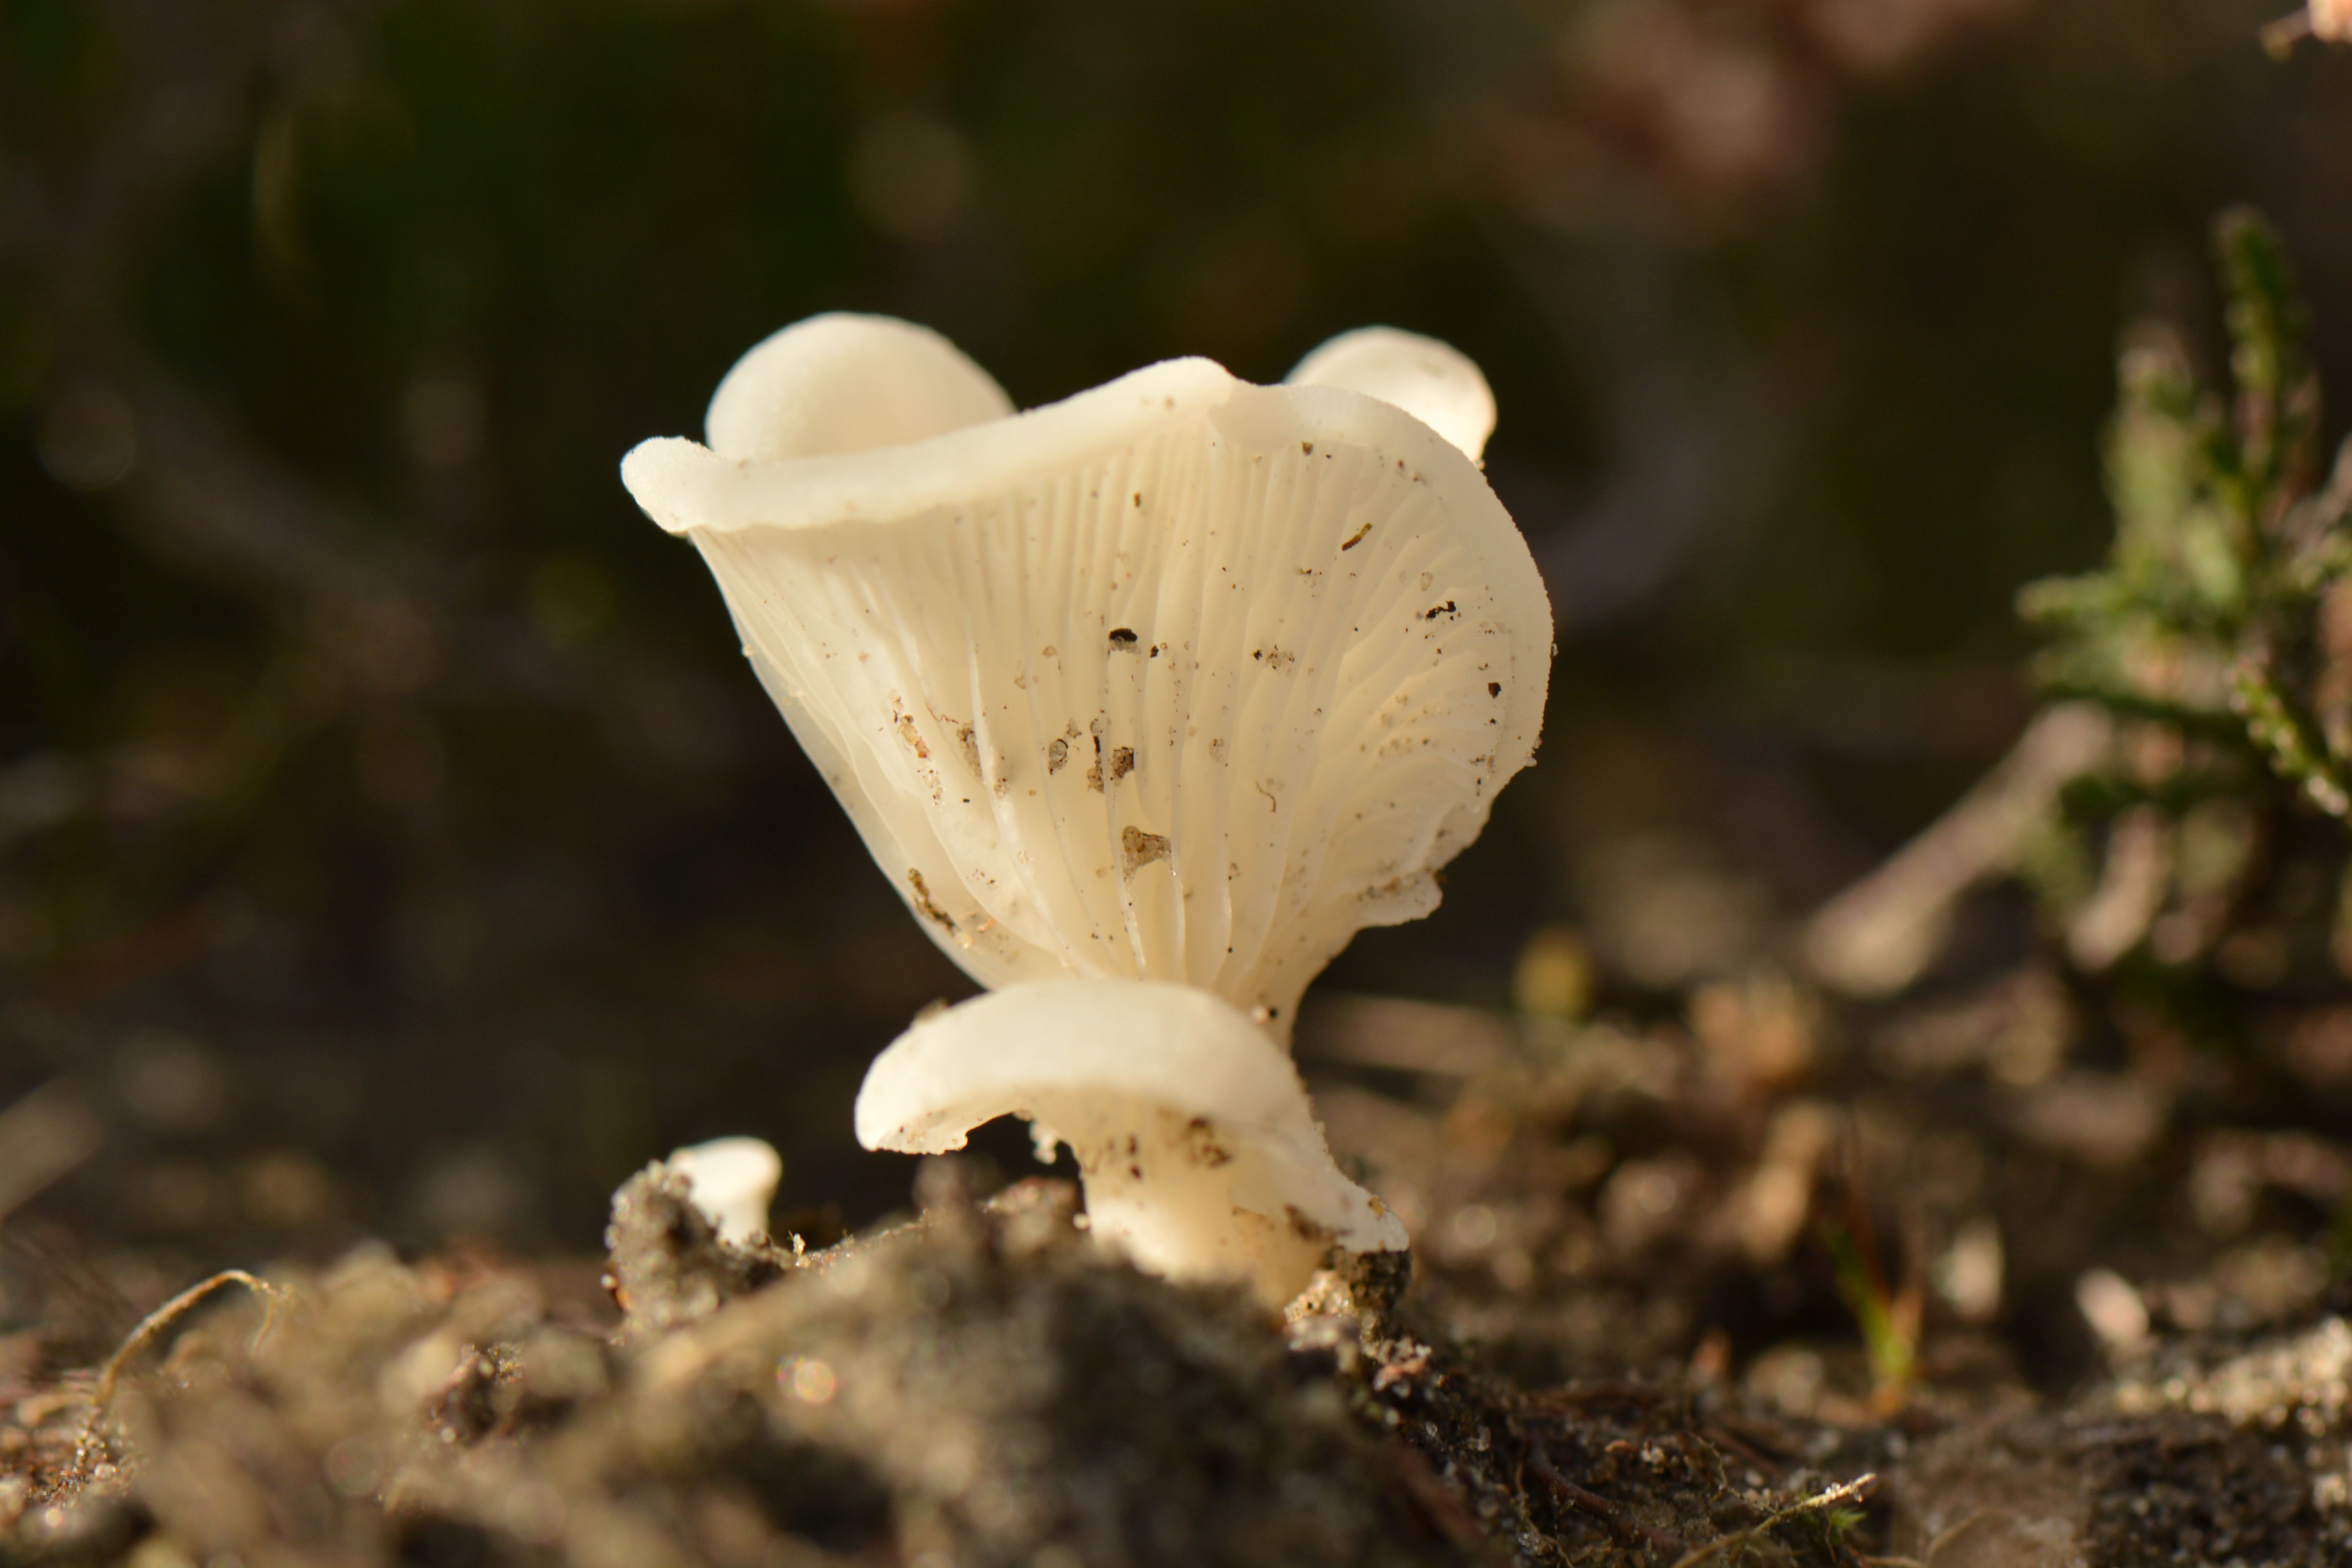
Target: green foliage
[2218, 635]
[2207, 618]
[1889, 1324]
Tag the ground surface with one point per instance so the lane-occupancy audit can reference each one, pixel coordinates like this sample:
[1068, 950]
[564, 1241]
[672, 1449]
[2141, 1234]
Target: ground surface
[1973, 1282]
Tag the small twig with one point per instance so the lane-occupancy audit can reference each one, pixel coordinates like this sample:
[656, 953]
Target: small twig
[1844, 1492]
[1623, 1526]
[1724, 1437]
[164, 1318]
[1882, 933]
[1574, 1395]
[1440, 1507]
[1778, 1443]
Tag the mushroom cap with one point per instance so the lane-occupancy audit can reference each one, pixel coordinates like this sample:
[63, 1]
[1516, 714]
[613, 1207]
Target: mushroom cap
[1180, 679]
[1435, 383]
[732, 1180]
[841, 382]
[1201, 1154]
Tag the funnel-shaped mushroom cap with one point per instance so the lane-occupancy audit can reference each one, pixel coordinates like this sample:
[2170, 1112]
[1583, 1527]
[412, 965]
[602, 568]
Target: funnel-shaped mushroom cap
[1182, 679]
[1200, 1157]
[732, 1180]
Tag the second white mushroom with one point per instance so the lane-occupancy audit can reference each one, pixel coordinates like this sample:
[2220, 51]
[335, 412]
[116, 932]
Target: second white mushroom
[1201, 1156]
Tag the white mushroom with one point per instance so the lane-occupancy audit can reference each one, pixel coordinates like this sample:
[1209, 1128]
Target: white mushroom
[1149, 700]
[1434, 382]
[732, 1180]
[1182, 679]
[1200, 1156]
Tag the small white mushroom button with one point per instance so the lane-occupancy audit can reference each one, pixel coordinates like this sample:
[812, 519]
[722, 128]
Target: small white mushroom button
[732, 1180]
[1198, 1148]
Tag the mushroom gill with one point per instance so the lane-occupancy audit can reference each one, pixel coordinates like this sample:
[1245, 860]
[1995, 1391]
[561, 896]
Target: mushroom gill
[1180, 679]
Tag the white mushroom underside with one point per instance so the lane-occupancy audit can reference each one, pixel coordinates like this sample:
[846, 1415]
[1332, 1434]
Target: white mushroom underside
[1200, 1154]
[1196, 702]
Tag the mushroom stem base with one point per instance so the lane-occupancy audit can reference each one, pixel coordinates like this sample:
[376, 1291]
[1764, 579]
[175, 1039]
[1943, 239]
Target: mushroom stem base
[1200, 1151]
[1188, 1200]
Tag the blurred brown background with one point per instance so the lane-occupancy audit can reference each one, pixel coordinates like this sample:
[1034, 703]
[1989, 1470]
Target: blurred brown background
[391, 839]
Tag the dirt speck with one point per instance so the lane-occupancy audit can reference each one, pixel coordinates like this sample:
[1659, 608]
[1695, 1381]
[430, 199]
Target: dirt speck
[1139, 848]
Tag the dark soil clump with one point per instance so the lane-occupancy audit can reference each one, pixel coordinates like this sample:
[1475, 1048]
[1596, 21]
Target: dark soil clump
[980, 1386]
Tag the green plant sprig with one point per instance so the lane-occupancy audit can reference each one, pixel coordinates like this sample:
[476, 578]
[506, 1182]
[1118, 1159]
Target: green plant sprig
[2218, 633]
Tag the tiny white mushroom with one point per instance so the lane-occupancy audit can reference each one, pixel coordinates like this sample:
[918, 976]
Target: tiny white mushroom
[732, 1180]
[1435, 383]
[847, 383]
[1200, 1157]
[1182, 679]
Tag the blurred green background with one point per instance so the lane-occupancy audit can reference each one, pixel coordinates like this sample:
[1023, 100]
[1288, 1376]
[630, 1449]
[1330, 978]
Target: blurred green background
[391, 839]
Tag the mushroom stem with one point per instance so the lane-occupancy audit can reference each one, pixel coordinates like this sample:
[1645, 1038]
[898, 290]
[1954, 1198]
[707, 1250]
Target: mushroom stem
[1198, 1148]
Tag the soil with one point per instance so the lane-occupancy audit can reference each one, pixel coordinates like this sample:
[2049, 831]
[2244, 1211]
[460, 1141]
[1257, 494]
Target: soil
[1752, 1280]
